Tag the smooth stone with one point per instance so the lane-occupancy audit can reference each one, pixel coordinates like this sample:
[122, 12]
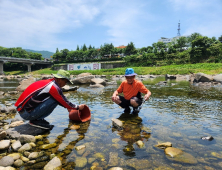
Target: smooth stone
[25, 147]
[81, 162]
[2, 135]
[16, 145]
[48, 146]
[27, 138]
[140, 143]
[116, 168]
[80, 147]
[18, 163]
[172, 152]
[6, 161]
[17, 123]
[33, 155]
[55, 163]
[15, 156]
[113, 159]
[164, 145]
[4, 144]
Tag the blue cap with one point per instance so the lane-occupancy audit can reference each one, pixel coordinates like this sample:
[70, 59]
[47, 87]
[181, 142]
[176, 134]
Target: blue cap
[130, 72]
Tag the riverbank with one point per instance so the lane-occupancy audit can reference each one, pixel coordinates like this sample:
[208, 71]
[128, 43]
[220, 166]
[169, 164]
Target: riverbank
[207, 68]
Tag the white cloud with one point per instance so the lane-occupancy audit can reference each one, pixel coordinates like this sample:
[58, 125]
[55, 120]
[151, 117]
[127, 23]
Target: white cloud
[125, 20]
[36, 22]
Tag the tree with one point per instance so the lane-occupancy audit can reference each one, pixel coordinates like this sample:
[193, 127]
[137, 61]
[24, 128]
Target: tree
[130, 49]
[193, 37]
[220, 38]
[199, 51]
[90, 47]
[149, 49]
[160, 45]
[57, 50]
[84, 48]
[77, 49]
[182, 41]
[107, 49]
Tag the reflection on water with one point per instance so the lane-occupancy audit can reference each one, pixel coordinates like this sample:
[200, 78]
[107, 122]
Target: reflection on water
[8, 85]
[176, 113]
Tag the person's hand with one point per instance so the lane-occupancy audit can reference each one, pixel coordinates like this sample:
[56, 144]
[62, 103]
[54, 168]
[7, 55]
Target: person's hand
[81, 106]
[114, 98]
[69, 110]
[146, 97]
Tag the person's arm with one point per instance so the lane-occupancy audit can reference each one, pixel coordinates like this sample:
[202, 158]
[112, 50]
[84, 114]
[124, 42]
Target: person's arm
[145, 91]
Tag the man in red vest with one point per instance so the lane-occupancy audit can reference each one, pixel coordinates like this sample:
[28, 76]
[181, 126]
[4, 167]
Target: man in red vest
[41, 98]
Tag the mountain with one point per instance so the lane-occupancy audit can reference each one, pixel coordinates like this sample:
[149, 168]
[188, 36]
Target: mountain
[45, 54]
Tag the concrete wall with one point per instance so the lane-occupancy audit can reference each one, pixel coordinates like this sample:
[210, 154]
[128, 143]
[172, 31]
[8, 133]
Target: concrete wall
[103, 66]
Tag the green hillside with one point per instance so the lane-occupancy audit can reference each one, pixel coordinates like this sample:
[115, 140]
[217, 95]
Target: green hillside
[45, 54]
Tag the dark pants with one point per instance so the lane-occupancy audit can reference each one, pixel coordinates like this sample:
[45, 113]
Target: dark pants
[126, 103]
[41, 111]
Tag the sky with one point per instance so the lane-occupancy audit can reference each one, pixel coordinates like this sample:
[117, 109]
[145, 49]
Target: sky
[65, 24]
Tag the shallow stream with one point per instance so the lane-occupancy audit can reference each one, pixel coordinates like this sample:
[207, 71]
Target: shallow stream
[178, 113]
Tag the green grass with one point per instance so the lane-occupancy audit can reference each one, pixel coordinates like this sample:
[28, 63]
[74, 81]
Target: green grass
[207, 68]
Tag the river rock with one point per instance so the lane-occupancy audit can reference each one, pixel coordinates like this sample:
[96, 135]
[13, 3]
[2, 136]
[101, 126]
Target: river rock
[98, 81]
[178, 155]
[25, 83]
[25, 147]
[201, 77]
[33, 155]
[184, 158]
[218, 78]
[2, 135]
[117, 123]
[81, 162]
[68, 88]
[7, 168]
[140, 143]
[48, 146]
[83, 80]
[116, 168]
[6, 161]
[11, 109]
[27, 138]
[12, 134]
[18, 163]
[84, 74]
[55, 163]
[113, 159]
[17, 123]
[4, 144]
[96, 86]
[167, 76]
[15, 156]
[164, 145]
[136, 163]
[16, 145]
[172, 152]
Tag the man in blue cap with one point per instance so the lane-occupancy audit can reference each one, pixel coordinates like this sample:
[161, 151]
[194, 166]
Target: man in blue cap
[131, 89]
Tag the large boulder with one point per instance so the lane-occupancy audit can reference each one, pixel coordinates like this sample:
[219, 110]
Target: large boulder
[83, 80]
[84, 75]
[201, 77]
[25, 83]
[98, 81]
[218, 78]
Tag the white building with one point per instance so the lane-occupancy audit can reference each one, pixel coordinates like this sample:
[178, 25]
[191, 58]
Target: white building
[168, 40]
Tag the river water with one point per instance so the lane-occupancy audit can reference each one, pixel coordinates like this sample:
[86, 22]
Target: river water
[179, 113]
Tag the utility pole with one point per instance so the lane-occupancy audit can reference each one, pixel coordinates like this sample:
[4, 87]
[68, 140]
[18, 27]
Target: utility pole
[178, 33]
